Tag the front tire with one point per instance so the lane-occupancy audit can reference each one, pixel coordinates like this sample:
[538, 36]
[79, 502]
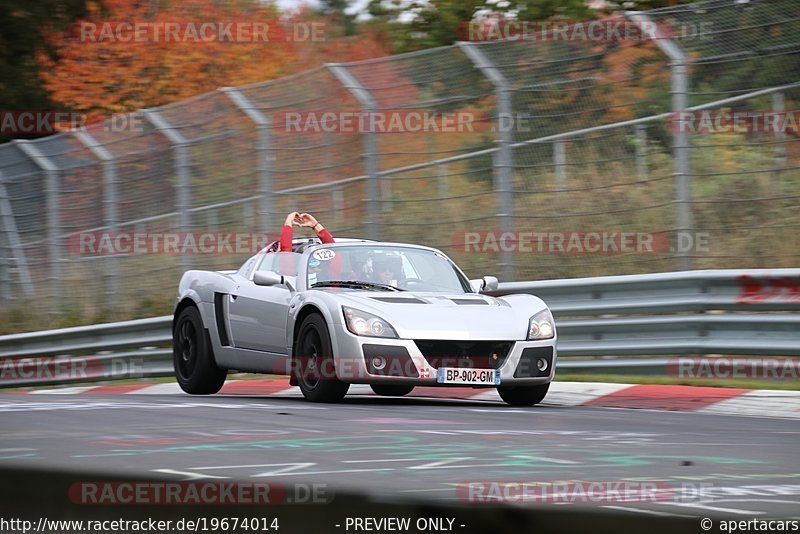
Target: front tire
[195, 369]
[523, 395]
[313, 364]
[386, 390]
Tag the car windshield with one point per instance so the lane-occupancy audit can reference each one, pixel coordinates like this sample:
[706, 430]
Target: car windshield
[384, 268]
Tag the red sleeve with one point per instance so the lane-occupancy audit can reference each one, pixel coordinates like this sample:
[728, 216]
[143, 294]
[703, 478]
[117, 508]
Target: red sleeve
[336, 267]
[325, 236]
[286, 239]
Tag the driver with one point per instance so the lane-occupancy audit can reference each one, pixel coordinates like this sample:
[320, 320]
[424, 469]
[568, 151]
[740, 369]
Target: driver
[387, 269]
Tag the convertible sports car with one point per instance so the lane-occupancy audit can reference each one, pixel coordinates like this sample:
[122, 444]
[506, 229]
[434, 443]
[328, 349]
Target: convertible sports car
[390, 315]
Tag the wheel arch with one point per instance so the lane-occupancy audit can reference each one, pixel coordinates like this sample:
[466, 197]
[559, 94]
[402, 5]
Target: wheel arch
[304, 312]
[184, 303]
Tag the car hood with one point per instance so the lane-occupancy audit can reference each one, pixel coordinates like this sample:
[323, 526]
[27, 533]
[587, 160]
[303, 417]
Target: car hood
[445, 315]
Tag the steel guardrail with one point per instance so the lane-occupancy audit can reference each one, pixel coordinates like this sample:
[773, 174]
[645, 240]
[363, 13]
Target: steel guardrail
[603, 323]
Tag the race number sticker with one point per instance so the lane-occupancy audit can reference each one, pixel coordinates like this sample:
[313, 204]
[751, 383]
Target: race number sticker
[325, 254]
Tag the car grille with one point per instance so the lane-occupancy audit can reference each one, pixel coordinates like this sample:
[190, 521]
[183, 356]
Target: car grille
[464, 354]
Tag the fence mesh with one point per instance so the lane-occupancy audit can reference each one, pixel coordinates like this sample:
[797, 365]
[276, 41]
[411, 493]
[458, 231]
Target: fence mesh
[576, 146]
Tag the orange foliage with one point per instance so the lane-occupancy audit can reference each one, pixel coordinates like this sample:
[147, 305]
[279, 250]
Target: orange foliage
[633, 71]
[102, 67]
[334, 47]
[365, 45]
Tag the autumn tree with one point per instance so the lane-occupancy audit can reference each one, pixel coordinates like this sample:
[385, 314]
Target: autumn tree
[343, 41]
[100, 66]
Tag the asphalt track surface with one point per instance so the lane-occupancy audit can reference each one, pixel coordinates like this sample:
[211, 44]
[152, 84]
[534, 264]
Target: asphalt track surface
[417, 448]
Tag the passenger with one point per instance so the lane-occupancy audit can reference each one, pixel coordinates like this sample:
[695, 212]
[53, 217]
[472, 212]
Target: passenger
[317, 272]
[303, 220]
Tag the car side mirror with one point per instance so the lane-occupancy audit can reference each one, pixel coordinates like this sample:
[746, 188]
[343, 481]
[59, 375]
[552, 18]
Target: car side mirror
[487, 283]
[267, 278]
[271, 278]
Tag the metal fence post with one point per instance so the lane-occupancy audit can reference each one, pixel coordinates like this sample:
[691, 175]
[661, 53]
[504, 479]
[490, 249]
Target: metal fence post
[368, 104]
[778, 108]
[12, 240]
[442, 180]
[212, 221]
[679, 69]
[504, 157]
[683, 191]
[183, 188]
[641, 151]
[110, 212]
[5, 265]
[263, 149]
[560, 161]
[52, 202]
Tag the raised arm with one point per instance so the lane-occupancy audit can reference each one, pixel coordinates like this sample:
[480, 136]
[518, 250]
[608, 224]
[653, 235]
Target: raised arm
[310, 221]
[287, 233]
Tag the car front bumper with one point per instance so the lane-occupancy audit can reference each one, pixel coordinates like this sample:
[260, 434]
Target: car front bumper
[519, 367]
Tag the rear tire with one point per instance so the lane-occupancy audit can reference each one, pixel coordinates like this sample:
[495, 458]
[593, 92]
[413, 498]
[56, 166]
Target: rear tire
[387, 390]
[313, 364]
[523, 395]
[192, 357]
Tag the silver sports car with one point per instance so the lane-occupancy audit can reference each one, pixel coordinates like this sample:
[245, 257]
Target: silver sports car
[390, 315]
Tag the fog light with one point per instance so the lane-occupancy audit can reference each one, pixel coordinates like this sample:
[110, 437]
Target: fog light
[541, 364]
[378, 362]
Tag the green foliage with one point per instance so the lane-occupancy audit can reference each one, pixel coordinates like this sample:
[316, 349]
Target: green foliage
[538, 10]
[424, 24]
[337, 10]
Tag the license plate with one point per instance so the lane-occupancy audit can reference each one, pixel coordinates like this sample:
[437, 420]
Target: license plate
[479, 377]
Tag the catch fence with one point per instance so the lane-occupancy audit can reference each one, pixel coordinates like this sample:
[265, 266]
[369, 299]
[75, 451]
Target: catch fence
[524, 158]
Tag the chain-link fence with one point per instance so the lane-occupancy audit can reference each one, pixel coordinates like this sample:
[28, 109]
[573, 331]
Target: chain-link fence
[556, 156]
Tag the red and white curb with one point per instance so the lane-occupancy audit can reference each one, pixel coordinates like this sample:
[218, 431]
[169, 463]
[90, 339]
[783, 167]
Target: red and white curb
[726, 401]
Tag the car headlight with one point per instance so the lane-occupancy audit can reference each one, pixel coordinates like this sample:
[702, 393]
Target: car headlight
[362, 323]
[541, 326]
